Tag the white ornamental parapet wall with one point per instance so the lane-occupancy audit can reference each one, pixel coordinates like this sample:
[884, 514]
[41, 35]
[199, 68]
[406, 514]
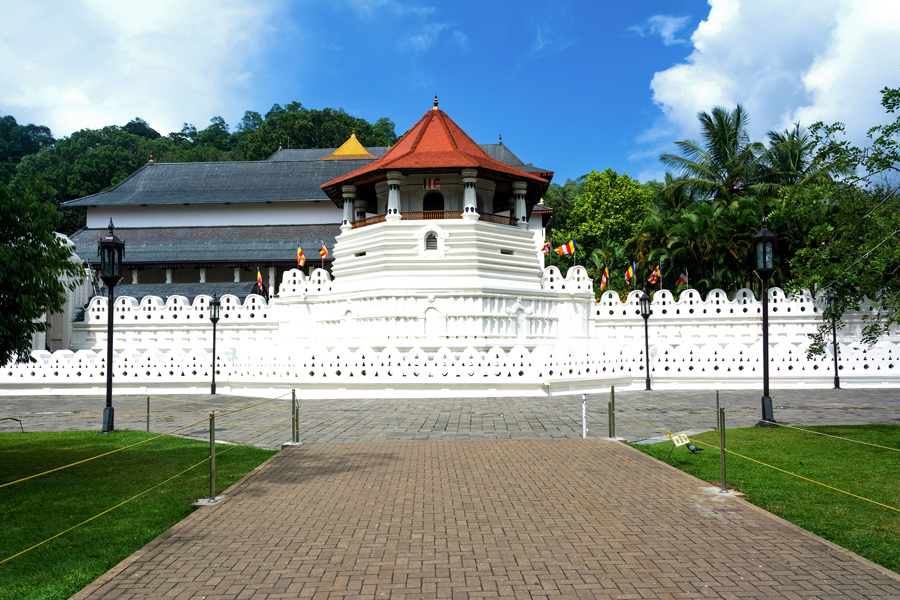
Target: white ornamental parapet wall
[696, 342]
[319, 373]
[175, 323]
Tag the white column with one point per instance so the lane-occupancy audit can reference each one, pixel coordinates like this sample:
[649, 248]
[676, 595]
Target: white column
[134, 276]
[393, 203]
[470, 201]
[271, 280]
[237, 274]
[349, 194]
[519, 188]
[202, 275]
[168, 275]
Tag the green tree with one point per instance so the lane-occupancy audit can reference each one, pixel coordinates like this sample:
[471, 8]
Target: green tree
[138, 126]
[32, 261]
[17, 142]
[852, 245]
[295, 126]
[725, 166]
[608, 212]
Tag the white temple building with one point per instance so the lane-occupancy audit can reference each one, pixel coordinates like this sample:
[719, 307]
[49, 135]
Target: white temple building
[437, 288]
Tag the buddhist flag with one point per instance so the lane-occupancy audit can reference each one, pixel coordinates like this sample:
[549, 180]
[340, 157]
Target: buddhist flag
[566, 248]
[629, 274]
[258, 280]
[605, 278]
[655, 274]
[431, 184]
[301, 260]
[323, 252]
[546, 248]
[683, 278]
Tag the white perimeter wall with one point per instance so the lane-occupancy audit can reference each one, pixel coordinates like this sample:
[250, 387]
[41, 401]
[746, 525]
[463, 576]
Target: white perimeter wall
[523, 346]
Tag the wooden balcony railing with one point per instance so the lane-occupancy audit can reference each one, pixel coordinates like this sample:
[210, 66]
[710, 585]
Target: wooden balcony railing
[423, 215]
[368, 221]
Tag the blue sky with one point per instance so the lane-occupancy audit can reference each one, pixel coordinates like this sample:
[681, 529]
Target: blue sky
[572, 86]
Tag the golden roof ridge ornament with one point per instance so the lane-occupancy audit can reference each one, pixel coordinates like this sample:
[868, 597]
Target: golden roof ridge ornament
[352, 148]
[435, 102]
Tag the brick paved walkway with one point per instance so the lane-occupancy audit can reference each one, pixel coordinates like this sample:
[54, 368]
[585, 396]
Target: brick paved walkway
[484, 519]
[498, 499]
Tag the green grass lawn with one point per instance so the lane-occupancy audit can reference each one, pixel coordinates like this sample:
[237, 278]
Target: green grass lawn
[867, 529]
[40, 508]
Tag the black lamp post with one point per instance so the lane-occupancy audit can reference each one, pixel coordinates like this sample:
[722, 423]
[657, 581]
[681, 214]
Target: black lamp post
[214, 306]
[110, 250]
[645, 313]
[831, 299]
[764, 246]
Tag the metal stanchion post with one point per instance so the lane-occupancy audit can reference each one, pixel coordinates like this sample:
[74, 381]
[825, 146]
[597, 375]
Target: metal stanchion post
[717, 410]
[212, 457]
[295, 422]
[584, 416]
[612, 412]
[148, 414]
[724, 489]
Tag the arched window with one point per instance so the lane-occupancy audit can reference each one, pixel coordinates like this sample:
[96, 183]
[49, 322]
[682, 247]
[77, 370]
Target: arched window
[433, 201]
[431, 241]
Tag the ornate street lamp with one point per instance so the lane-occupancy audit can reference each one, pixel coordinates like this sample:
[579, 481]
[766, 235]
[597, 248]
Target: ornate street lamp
[110, 250]
[831, 299]
[645, 313]
[214, 306]
[764, 246]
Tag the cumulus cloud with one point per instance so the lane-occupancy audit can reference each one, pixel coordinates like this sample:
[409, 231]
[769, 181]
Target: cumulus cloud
[664, 26]
[808, 61]
[90, 63]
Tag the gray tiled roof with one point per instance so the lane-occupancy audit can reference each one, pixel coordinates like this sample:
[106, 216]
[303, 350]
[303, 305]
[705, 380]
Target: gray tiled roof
[317, 153]
[287, 176]
[262, 245]
[223, 182]
[501, 153]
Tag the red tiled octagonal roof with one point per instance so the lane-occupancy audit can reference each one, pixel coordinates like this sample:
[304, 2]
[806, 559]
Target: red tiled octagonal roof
[435, 143]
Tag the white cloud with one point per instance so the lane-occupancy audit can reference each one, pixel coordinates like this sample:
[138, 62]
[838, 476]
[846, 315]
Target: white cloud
[426, 37]
[664, 26]
[90, 63]
[804, 61]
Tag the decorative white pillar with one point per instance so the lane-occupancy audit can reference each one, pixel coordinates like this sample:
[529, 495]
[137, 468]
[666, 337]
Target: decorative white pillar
[360, 209]
[393, 203]
[202, 275]
[134, 277]
[519, 188]
[349, 194]
[271, 280]
[237, 274]
[470, 201]
[168, 275]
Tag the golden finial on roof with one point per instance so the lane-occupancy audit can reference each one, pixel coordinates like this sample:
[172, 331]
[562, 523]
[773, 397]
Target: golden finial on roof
[435, 101]
[349, 149]
[151, 159]
[501, 139]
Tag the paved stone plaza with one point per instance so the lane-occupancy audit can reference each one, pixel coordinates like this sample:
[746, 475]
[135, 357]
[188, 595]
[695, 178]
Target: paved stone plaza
[498, 498]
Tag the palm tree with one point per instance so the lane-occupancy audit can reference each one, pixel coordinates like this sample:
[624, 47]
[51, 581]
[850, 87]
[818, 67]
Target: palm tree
[725, 166]
[791, 160]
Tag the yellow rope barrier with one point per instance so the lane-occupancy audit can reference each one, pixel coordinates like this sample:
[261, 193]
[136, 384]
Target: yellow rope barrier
[837, 437]
[825, 485]
[104, 512]
[99, 455]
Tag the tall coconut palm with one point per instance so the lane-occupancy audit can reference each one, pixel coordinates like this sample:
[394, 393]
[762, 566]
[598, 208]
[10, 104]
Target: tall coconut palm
[791, 160]
[725, 166]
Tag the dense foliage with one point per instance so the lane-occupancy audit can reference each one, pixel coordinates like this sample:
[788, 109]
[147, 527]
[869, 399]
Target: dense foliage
[32, 261]
[92, 160]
